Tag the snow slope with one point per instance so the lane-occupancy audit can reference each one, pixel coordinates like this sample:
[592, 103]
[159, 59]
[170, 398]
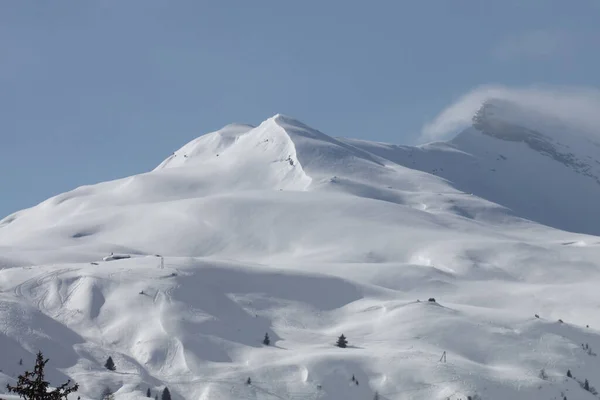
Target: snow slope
[281, 229]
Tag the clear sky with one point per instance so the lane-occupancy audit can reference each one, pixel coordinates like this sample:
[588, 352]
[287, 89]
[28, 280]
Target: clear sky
[96, 90]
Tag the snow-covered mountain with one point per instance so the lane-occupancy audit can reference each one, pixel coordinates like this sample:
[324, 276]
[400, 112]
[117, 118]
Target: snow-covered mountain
[536, 165]
[281, 229]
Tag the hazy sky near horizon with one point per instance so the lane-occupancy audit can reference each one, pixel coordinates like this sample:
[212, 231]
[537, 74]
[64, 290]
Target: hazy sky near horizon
[93, 91]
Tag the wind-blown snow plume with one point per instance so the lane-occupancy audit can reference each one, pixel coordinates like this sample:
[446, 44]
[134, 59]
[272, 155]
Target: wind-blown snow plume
[577, 107]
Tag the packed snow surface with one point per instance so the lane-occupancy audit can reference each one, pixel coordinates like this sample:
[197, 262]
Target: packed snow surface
[279, 229]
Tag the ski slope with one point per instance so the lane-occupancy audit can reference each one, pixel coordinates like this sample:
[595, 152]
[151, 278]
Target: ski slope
[281, 229]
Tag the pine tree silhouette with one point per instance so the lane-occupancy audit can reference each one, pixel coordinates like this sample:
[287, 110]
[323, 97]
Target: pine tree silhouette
[148, 393]
[32, 386]
[266, 340]
[586, 385]
[569, 374]
[166, 395]
[110, 364]
[342, 342]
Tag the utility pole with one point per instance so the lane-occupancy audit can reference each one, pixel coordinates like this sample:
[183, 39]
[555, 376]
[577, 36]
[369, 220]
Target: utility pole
[443, 358]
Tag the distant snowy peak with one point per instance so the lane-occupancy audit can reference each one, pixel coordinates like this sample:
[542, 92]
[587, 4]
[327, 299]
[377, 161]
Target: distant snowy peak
[545, 134]
[496, 114]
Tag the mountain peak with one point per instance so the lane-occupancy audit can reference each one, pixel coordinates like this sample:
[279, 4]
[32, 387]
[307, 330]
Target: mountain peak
[518, 121]
[280, 116]
[284, 121]
[500, 117]
[545, 134]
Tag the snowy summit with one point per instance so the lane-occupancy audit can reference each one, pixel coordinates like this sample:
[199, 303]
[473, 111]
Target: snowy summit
[278, 262]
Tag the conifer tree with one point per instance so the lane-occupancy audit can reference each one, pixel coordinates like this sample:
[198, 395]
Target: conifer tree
[342, 342]
[569, 375]
[32, 386]
[110, 364]
[266, 340]
[148, 393]
[166, 395]
[586, 385]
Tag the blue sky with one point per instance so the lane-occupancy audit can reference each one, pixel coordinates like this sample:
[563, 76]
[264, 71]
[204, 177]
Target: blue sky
[93, 91]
